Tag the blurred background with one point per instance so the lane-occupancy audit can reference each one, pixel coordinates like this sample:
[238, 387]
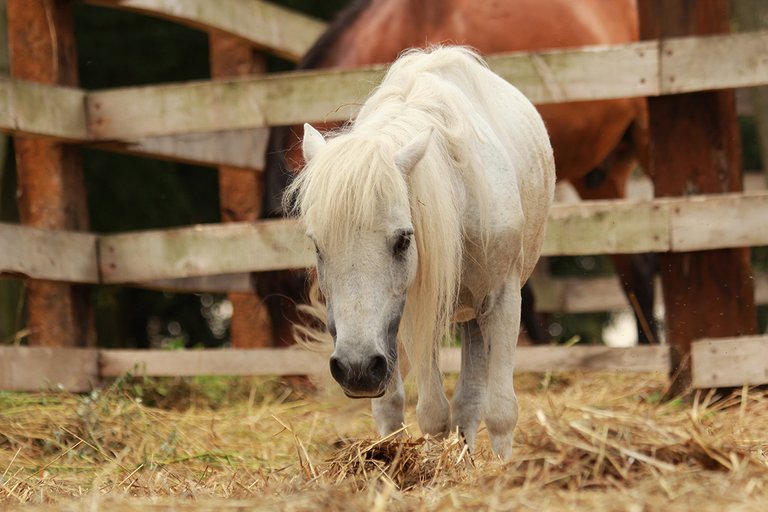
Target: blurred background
[118, 48]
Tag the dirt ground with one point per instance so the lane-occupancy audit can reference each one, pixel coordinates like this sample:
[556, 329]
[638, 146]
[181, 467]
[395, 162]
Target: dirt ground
[584, 442]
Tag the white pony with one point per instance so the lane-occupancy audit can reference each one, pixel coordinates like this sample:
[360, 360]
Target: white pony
[436, 198]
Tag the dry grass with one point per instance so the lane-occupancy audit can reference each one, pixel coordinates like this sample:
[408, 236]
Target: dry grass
[583, 442]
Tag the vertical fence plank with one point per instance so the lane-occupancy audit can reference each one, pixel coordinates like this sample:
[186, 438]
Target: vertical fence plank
[695, 149]
[240, 191]
[51, 190]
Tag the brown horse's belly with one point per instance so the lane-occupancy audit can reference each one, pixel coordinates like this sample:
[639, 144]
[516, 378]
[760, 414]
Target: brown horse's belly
[583, 134]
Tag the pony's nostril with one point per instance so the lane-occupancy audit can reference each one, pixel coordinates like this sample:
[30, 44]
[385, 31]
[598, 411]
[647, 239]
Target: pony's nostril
[339, 370]
[377, 368]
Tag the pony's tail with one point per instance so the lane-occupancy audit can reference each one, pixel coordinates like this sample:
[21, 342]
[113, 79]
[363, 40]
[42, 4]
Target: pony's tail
[312, 334]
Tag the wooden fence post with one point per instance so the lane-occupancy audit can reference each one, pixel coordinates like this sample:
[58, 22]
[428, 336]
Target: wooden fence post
[240, 191]
[695, 149]
[51, 190]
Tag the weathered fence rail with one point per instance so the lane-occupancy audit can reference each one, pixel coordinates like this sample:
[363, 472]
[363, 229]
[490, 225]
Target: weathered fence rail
[130, 115]
[716, 363]
[270, 27]
[649, 68]
[36, 368]
[600, 227]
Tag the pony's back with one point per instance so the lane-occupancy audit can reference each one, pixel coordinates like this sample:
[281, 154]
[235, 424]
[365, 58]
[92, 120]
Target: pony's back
[476, 109]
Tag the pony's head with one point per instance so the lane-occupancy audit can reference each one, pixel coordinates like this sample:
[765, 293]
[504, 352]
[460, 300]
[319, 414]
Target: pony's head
[353, 200]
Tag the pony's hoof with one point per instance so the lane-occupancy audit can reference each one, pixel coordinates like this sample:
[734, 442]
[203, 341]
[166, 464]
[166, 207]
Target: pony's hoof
[502, 446]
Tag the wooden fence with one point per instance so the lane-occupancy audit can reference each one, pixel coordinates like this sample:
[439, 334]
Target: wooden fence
[216, 122]
[693, 223]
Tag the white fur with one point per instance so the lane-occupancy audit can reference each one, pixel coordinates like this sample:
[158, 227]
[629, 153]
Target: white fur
[449, 149]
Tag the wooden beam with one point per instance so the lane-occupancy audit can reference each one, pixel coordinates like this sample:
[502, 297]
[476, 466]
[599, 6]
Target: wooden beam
[202, 250]
[48, 254]
[597, 227]
[29, 108]
[553, 294]
[57, 112]
[730, 362]
[241, 149]
[50, 176]
[264, 361]
[695, 149]
[276, 29]
[692, 64]
[47, 368]
[213, 116]
[593, 358]
[545, 77]
[291, 361]
[235, 249]
[600, 227]
[739, 218]
[605, 71]
[285, 98]
[239, 282]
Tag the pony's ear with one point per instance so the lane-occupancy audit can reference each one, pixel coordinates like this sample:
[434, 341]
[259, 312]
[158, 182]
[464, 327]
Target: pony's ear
[313, 142]
[410, 155]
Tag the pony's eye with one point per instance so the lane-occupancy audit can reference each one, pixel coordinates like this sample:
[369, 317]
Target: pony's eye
[402, 244]
[317, 254]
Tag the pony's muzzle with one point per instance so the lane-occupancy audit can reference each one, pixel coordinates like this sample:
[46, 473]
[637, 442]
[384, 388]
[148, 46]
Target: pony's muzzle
[361, 377]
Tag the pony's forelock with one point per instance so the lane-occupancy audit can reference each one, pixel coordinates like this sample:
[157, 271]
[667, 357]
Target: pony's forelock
[344, 188]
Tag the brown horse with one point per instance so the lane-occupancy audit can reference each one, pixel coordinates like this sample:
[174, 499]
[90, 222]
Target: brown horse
[596, 143]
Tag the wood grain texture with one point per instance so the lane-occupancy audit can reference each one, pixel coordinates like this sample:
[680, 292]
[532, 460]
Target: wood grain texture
[203, 250]
[588, 73]
[600, 227]
[219, 258]
[263, 361]
[730, 362]
[596, 227]
[242, 149]
[276, 29]
[556, 76]
[48, 368]
[293, 361]
[46, 110]
[146, 120]
[699, 64]
[48, 254]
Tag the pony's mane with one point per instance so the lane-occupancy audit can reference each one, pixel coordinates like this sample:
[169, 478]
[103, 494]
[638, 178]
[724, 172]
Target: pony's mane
[345, 187]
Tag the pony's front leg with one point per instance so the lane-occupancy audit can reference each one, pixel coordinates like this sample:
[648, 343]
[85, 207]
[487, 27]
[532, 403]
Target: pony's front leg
[469, 398]
[432, 410]
[388, 409]
[499, 321]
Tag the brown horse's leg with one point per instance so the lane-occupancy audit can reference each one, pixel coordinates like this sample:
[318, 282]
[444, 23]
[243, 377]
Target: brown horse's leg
[530, 319]
[635, 271]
